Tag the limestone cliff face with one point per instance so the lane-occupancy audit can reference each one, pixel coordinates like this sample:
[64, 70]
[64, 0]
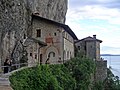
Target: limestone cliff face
[15, 22]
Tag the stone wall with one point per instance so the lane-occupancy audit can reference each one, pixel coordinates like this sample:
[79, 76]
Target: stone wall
[98, 51]
[91, 49]
[60, 44]
[101, 70]
[15, 22]
[51, 34]
[80, 47]
[68, 46]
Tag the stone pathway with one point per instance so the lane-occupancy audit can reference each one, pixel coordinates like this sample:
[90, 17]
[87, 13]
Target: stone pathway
[5, 83]
[4, 80]
[5, 88]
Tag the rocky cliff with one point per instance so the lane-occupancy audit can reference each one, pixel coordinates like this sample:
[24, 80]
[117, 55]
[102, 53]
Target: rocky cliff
[15, 22]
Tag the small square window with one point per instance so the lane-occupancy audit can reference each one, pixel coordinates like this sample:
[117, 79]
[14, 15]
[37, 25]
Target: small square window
[38, 32]
[30, 54]
[55, 34]
[79, 47]
[35, 56]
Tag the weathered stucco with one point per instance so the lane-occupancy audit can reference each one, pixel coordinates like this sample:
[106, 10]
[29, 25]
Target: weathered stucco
[15, 22]
[68, 46]
[47, 31]
[57, 39]
[90, 47]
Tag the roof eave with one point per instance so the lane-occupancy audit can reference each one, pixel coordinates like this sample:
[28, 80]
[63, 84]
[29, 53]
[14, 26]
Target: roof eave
[66, 27]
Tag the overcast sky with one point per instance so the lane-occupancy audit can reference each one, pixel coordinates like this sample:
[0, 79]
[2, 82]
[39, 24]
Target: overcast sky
[100, 17]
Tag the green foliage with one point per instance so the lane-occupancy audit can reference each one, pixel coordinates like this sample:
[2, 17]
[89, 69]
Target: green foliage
[81, 69]
[112, 82]
[98, 86]
[43, 77]
[63, 77]
[37, 78]
[73, 75]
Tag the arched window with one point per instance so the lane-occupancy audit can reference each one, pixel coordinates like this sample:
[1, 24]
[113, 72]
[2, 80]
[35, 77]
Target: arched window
[24, 36]
[51, 54]
[64, 55]
[68, 54]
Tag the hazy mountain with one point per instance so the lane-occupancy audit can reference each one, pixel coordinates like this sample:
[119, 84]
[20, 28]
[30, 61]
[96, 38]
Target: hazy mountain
[110, 54]
[110, 50]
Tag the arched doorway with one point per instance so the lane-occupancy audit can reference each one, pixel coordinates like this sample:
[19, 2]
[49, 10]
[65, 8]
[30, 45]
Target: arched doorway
[52, 54]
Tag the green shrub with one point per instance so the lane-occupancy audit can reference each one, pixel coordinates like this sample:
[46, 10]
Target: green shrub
[73, 75]
[112, 82]
[64, 78]
[98, 86]
[44, 77]
[81, 69]
[37, 78]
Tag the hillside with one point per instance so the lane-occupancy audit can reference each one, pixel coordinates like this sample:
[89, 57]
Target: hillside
[110, 55]
[15, 22]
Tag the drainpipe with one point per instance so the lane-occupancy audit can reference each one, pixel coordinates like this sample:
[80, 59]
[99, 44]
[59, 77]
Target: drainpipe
[63, 44]
[94, 36]
[39, 54]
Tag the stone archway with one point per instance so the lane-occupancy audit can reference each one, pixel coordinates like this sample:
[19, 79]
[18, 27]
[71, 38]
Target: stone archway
[52, 54]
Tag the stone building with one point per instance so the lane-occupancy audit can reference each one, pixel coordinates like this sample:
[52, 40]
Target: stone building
[52, 42]
[90, 47]
[15, 21]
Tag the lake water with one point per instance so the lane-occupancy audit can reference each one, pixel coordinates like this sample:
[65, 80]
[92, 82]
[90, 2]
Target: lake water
[114, 63]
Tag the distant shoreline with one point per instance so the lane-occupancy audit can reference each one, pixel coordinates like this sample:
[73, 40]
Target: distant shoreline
[110, 55]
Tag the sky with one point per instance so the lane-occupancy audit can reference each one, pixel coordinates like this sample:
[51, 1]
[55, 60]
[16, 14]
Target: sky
[99, 17]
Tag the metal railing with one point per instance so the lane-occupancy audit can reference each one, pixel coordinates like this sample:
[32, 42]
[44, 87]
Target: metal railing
[20, 65]
[16, 66]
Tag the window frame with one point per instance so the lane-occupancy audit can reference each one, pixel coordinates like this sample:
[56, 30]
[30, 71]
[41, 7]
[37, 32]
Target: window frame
[38, 32]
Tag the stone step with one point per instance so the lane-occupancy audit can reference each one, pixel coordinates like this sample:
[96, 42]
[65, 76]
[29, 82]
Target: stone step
[5, 75]
[5, 88]
[4, 82]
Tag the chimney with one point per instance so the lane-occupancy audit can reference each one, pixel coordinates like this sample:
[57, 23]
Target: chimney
[94, 36]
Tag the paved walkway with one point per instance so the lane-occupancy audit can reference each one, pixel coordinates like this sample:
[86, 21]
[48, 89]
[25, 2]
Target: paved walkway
[4, 82]
[5, 88]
